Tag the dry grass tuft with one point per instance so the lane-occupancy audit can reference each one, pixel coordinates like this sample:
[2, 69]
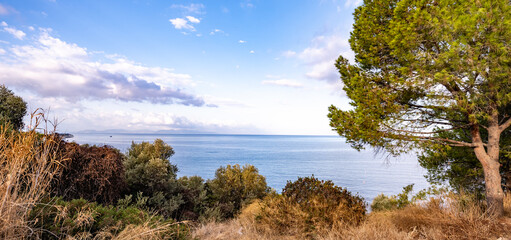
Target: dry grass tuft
[28, 162]
[451, 217]
[149, 230]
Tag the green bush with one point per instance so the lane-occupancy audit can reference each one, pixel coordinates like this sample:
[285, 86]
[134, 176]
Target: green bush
[234, 187]
[310, 206]
[79, 218]
[152, 178]
[148, 168]
[12, 108]
[383, 202]
[194, 194]
[90, 172]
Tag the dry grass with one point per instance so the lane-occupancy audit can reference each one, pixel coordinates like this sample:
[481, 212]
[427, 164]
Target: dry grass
[446, 217]
[151, 230]
[27, 165]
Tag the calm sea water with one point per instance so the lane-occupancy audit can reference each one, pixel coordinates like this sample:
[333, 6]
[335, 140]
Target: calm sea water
[282, 158]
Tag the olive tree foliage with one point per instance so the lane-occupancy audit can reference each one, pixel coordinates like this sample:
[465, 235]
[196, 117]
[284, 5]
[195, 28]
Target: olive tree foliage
[234, 187]
[12, 108]
[427, 67]
[149, 172]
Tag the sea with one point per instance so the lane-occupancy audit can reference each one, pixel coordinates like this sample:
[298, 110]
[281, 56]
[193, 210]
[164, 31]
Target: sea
[281, 159]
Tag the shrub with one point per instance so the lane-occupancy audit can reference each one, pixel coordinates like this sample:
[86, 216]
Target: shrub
[12, 108]
[78, 219]
[310, 206]
[233, 187]
[149, 172]
[406, 198]
[194, 194]
[90, 172]
[148, 169]
[383, 202]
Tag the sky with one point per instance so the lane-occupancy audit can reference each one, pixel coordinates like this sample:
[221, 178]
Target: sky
[228, 67]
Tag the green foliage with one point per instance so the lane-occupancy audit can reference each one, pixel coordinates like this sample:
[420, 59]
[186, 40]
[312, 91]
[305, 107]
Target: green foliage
[90, 172]
[459, 167]
[149, 172]
[418, 65]
[12, 108]
[405, 198]
[423, 68]
[61, 219]
[152, 179]
[234, 187]
[383, 202]
[194, 194]
[148, 168]
[311, 206]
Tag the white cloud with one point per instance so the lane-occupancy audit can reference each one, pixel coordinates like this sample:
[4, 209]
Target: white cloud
[50, 67]
[289, 53]
[181, 23]
[283, 83]
[321, 55]
[241, 41]
[215, 31]
[196, 8]
[3, 24]
[31, 28]
[15, 32]
[2, 51]
[252, 51]
[185, 24]
[192, 19]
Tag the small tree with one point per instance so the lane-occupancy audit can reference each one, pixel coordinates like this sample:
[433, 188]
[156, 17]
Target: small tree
[148, 168]
[149, 173]
[12, 108]
[427, 67]
[235, 186]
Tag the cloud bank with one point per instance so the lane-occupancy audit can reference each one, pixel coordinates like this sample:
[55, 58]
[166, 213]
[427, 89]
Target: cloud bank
[50, 67]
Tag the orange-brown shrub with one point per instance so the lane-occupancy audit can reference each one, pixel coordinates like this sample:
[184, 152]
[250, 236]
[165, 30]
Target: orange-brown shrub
[308, 207]
[90, 172]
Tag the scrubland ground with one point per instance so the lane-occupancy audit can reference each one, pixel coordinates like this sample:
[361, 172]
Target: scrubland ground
[447, 217]
[307, 209]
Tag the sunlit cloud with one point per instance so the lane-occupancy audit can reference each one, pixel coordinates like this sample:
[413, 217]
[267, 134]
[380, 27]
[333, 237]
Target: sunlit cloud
[181, 23]
[51, 67]
[320, 57]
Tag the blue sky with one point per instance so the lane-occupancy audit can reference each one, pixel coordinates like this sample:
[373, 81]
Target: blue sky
[236, 67]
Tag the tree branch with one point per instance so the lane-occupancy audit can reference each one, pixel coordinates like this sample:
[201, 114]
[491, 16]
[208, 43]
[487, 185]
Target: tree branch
[505, 125]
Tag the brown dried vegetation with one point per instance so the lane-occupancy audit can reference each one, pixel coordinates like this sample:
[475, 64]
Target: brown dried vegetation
[90, 172]
[27, 164]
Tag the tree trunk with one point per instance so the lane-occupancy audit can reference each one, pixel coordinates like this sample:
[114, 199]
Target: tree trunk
[493, 184]
[489, 159]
